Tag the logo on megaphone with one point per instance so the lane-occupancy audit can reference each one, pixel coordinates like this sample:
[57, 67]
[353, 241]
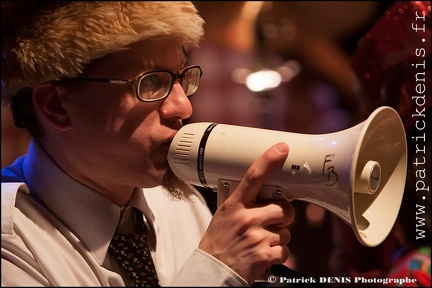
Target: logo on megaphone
[358, 173]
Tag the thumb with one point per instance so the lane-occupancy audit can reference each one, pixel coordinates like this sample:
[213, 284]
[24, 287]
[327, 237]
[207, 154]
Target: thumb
[256, 175]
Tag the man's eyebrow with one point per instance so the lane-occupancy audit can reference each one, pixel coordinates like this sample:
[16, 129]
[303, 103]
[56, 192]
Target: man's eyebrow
[149, 64]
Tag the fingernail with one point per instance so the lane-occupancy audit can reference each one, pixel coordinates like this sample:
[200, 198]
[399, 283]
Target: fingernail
[282, 147]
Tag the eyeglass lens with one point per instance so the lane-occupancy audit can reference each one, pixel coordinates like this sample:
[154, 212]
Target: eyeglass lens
[190, 80]
[157, 85]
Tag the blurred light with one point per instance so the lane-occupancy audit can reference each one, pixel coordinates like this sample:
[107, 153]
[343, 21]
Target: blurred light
[315, 214]
[266, 79]
[289, 70]
[263, 80]
[251, 9]
[239, 75]
[270, 30]
[288, 29]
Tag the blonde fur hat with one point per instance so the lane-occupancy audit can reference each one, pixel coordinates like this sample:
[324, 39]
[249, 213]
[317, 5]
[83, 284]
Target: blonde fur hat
[45, 41]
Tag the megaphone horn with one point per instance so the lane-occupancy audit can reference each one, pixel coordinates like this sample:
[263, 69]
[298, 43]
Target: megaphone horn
[358, 173]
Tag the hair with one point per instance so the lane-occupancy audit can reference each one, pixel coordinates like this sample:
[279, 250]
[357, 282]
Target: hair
[176, 188]
[24, 113]
[46, 41]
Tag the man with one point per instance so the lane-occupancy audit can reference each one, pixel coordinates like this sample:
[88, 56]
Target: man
[99, 139]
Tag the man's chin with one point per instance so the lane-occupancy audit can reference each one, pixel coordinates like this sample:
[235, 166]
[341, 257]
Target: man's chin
[177, 188]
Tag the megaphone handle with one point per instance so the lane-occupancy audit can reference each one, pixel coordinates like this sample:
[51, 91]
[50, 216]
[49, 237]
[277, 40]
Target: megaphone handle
[266, 194]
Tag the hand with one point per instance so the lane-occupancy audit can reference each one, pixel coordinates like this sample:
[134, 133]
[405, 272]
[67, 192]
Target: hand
[248, 236]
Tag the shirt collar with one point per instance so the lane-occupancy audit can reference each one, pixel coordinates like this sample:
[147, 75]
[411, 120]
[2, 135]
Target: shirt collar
[92, 217]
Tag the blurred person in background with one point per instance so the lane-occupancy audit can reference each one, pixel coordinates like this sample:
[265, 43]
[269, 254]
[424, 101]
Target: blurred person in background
[392, 63]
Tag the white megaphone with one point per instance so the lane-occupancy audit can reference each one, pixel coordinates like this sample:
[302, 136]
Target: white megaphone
[358, 173]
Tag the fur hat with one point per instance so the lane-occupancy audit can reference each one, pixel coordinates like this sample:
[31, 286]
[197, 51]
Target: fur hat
[45, 41]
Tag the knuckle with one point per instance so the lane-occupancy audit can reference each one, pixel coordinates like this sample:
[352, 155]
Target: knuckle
[263, 257]
[246, 221]
[281, 256]
[251, 175]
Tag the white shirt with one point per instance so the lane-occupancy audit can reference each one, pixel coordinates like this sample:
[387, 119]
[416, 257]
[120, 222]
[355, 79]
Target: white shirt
[58, 235]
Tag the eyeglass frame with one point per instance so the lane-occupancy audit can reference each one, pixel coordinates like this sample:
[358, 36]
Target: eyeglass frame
[136, 81]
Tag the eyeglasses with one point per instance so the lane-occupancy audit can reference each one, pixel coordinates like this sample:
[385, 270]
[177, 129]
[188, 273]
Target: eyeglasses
[156, 85]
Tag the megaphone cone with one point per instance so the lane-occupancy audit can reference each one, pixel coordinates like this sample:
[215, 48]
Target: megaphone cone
[358, 173]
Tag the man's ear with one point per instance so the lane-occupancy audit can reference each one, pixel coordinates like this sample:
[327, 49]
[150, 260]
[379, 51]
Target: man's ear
[47, 100]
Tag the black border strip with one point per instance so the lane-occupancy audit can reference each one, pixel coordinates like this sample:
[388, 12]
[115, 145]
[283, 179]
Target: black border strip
[201, 150]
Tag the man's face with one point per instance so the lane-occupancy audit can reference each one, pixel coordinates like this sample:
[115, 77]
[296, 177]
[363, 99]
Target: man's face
[117, 141]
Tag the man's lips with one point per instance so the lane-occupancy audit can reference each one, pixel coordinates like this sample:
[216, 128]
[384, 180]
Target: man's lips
[167, 143]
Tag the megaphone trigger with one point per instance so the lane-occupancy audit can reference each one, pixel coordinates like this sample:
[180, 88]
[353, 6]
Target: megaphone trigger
[266, 194]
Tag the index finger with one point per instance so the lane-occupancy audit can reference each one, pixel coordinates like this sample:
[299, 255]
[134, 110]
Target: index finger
[258, 172]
